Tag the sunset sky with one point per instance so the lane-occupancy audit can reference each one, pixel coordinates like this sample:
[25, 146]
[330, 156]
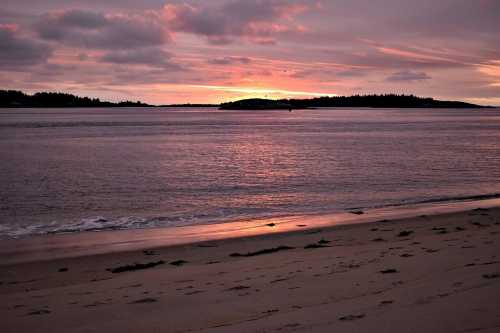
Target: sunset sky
[162, 51]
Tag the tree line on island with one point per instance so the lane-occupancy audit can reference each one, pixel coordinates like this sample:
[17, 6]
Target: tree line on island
[359, 101]
[14, 98]
[18, 99]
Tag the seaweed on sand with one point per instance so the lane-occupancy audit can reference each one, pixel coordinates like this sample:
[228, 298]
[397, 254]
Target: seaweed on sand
[135, 267]
[260, 252]
[405, 233]
[178, 262]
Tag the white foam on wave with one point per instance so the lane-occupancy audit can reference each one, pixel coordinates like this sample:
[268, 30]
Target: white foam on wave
[101, 223]
[98, 223]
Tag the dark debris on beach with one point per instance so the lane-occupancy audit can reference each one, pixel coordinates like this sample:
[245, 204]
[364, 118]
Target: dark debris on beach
[389, 271]
[135, 267]
[261, 252]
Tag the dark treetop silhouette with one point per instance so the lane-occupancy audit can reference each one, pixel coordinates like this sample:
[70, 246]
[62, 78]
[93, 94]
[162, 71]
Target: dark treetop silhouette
[13, 98]
[374, 101]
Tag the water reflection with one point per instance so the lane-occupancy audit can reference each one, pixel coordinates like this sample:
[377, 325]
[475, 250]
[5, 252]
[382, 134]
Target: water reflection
[165, 168]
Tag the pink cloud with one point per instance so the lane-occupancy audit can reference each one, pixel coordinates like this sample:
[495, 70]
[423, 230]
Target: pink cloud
[417, 56]
[258, 21]
[445, 48]
[11, 27]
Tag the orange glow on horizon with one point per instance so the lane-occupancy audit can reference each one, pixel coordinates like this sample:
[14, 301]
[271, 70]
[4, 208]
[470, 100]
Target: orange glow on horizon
[252, 92]
[492, 70]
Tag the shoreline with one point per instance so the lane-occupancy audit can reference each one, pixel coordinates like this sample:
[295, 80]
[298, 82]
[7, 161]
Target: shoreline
[100, 223]
[425, 273]
[71, 245]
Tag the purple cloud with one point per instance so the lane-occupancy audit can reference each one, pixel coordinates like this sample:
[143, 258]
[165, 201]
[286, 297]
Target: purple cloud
[229, 61]
[154, 57]
[17, 51]
[337, 46]
[100, 31]
[408, 76]
[259, 21]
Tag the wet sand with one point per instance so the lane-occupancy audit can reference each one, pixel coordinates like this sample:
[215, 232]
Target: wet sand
[438, 273]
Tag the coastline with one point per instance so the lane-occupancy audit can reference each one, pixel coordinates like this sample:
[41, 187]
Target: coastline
[59, 246]
[421, 273]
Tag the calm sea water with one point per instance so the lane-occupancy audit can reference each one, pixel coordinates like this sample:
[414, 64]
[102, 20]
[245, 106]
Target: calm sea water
[66, 170]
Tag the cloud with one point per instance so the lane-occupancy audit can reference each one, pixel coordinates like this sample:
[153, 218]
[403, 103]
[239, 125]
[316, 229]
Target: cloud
[458, 18]
[492, 71]
[346, 46]
[421, 57]
[408, 76]
[351, 73]
[17, 51]
[154, 57]
[375, 56]
[258, 21]
[96, 30]
[229, 61]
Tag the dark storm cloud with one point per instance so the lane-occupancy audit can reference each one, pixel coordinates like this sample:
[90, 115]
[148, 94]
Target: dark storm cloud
[17, 51]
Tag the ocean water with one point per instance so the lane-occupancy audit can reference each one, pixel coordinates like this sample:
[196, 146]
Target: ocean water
[69, 170]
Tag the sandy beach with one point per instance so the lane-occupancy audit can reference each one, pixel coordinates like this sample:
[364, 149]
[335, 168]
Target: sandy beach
[437, 273]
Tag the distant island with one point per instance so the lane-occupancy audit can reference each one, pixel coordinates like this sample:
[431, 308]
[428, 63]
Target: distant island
[19, 99]
[260, 104]
[189, 105]
[362, 101]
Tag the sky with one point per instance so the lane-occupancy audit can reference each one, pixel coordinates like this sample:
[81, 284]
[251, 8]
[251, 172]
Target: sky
[166, 52]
